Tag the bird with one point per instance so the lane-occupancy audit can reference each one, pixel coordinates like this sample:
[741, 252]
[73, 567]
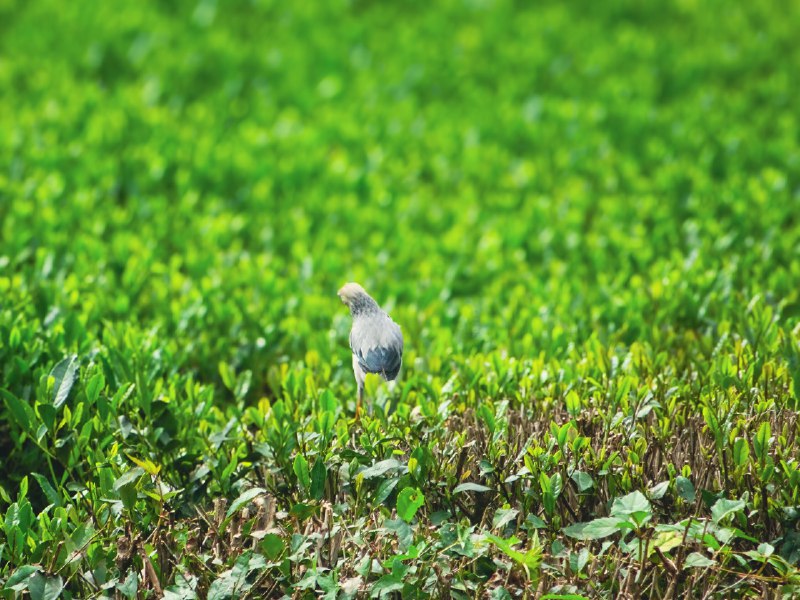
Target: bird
[375, 340]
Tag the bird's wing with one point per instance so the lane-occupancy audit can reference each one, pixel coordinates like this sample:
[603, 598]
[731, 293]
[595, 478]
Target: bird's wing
[377, 344]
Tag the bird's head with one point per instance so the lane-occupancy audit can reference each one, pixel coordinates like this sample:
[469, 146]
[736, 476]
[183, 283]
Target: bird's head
[350, 292]
[356, 299]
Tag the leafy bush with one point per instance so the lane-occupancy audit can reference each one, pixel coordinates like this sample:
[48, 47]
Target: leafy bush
[584, 216]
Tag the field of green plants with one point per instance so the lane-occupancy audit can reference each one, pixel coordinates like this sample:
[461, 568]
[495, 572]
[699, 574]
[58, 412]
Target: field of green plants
[585, 217]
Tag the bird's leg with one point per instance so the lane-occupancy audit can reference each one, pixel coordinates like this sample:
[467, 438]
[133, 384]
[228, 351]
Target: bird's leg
[359, 399]
[391, 402]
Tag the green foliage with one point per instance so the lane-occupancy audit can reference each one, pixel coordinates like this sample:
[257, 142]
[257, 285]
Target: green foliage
[409, 502]
[583, 216]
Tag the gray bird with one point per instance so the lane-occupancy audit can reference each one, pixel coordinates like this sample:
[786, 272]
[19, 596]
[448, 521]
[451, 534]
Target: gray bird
[376, 340]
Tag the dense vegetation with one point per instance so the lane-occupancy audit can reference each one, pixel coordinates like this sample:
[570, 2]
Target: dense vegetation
[585, 216]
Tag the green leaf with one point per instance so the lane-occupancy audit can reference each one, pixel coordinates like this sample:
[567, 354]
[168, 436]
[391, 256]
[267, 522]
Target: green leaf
[530, 559]
[48, 490]
[318, 475]
[45, 587]
[326, 420]
[327, 401]
[78, 540]
[741, 452]
[765, 549]
[273, 546]
[183, 589]
[300, 468]
[499, 593]
[128, 495]
[685, 488]
[596, 529]
[64, 374]
[243, 499]
[379, 468]
[148, 465]
[573, 402]
[48, 414]
[504, 516]
[487, 416]
[385, 586]
[471, 487]
[405, 535]
[697, 560]
[634, 505]
[408, 503]
[551, 488]
[534, 522]
[578, 560]
[94, 387]
[131, 476]
[724, 507]
[243, 384]
[657, 491]
[583, 480]
[130, 587]
[234, 582]
[303, 511]
[630, 504]
[227, 375]
[21, 411]
[385, 489]
[761, 441]
[20, 579]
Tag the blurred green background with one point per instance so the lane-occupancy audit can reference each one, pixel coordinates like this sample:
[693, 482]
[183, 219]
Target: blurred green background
[219, 169]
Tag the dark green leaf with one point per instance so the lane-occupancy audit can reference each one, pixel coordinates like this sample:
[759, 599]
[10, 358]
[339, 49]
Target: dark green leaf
[21, 577]
[48, 490]
[685, 488]
[318, 475]
[21, 411]
[45, 587]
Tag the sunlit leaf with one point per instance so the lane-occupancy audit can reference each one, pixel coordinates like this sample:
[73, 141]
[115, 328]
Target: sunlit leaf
[408, 502]
[64, 375]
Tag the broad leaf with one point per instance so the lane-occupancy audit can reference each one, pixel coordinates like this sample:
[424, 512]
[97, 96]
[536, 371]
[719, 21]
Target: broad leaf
[582, 480]
[45, 587]
[379, 468]
[596, 529]
[318, 476]
[724, 507]
[470, 487]
[48, 490]
[300, 468]
[697, 560]
[685, 488]
[408, 503]
[243, 499]
[64, 374]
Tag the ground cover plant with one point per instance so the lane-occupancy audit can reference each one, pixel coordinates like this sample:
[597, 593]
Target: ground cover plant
[585, 217]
